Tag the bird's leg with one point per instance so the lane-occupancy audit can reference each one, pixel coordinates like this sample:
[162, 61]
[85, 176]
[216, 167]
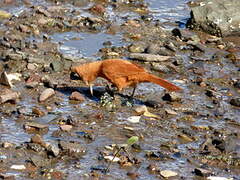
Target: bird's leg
[91, 89]
[90, 85]
[134, 88]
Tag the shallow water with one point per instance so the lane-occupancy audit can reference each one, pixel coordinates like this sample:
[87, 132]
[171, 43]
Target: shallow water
[110, 129]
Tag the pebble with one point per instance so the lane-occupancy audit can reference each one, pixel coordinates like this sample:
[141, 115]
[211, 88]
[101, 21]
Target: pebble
[72, 147]
[7, 145]
[110, 158]
[235, 101]
[134, 119]
[37, 139]
[46, 94]
[56, 66]
[142, 110]
[202, 172]
[31, 66]
[66, 127]
[35, 126]
[77, 96]
[170, 111]
[37, 111]
[18, 167]
[5, 80]
[168, 173]
[54, 150]
[172, 97]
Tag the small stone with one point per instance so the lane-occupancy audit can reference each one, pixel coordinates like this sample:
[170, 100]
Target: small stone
[202, 172]
[5, 80]
[98, 9]
[56, 66]
[172, 97]
[112, 158]
[24, 28]
[168, 173]
[133, 175]
[7, 145]
[142, 110]
[8, 95]
[134, 119]
[72, 147]
[18, 167]
[66, 127]
[170, 111]
[31, 66]
[31, 85]
[37, 139]
[137, 48]
[33, 126]
[77, 96]
[46, 94]
[37, 111]
[235, 101]
[53, 149]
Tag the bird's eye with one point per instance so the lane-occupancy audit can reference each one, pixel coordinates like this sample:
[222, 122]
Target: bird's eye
[74, 76]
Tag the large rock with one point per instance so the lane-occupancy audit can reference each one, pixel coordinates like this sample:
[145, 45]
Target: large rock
[216, 17]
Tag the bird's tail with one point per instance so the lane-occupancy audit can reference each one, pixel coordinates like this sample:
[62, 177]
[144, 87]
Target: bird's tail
[167, 85]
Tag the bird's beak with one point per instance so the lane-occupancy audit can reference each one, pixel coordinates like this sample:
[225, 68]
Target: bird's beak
[91, 89]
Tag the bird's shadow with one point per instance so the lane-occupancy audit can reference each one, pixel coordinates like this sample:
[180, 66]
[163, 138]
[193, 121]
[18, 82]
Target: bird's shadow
[98, 92]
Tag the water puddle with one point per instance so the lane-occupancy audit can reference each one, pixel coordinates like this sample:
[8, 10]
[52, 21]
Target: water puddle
[84, 44]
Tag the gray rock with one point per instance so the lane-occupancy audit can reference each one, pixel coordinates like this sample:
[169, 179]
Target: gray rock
[56, 66]
[137, 48]
[148, 57]
[72, 147]
[220, 18]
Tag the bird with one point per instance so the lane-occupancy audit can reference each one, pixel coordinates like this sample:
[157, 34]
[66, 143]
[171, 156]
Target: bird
[121, 73]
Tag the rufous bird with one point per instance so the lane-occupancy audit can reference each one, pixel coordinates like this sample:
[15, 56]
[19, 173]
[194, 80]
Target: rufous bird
[121, 73]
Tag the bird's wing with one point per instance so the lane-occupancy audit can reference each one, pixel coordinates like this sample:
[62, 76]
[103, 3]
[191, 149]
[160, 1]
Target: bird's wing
[121, 68]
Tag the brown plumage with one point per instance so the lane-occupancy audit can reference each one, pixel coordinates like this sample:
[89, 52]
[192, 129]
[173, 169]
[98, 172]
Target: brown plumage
[120, 73]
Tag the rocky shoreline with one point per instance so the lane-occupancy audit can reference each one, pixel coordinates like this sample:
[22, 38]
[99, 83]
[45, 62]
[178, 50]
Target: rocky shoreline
[52, 128]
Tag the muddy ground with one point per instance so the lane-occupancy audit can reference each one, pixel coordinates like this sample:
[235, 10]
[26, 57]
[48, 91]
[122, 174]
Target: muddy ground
[52, 128]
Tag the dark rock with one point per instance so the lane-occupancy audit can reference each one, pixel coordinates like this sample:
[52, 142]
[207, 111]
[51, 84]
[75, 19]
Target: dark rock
[220, 18]
[153, 104]
[176, 32]
[235, 101]
[172, 97]
[202, 172]
[237, 84]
